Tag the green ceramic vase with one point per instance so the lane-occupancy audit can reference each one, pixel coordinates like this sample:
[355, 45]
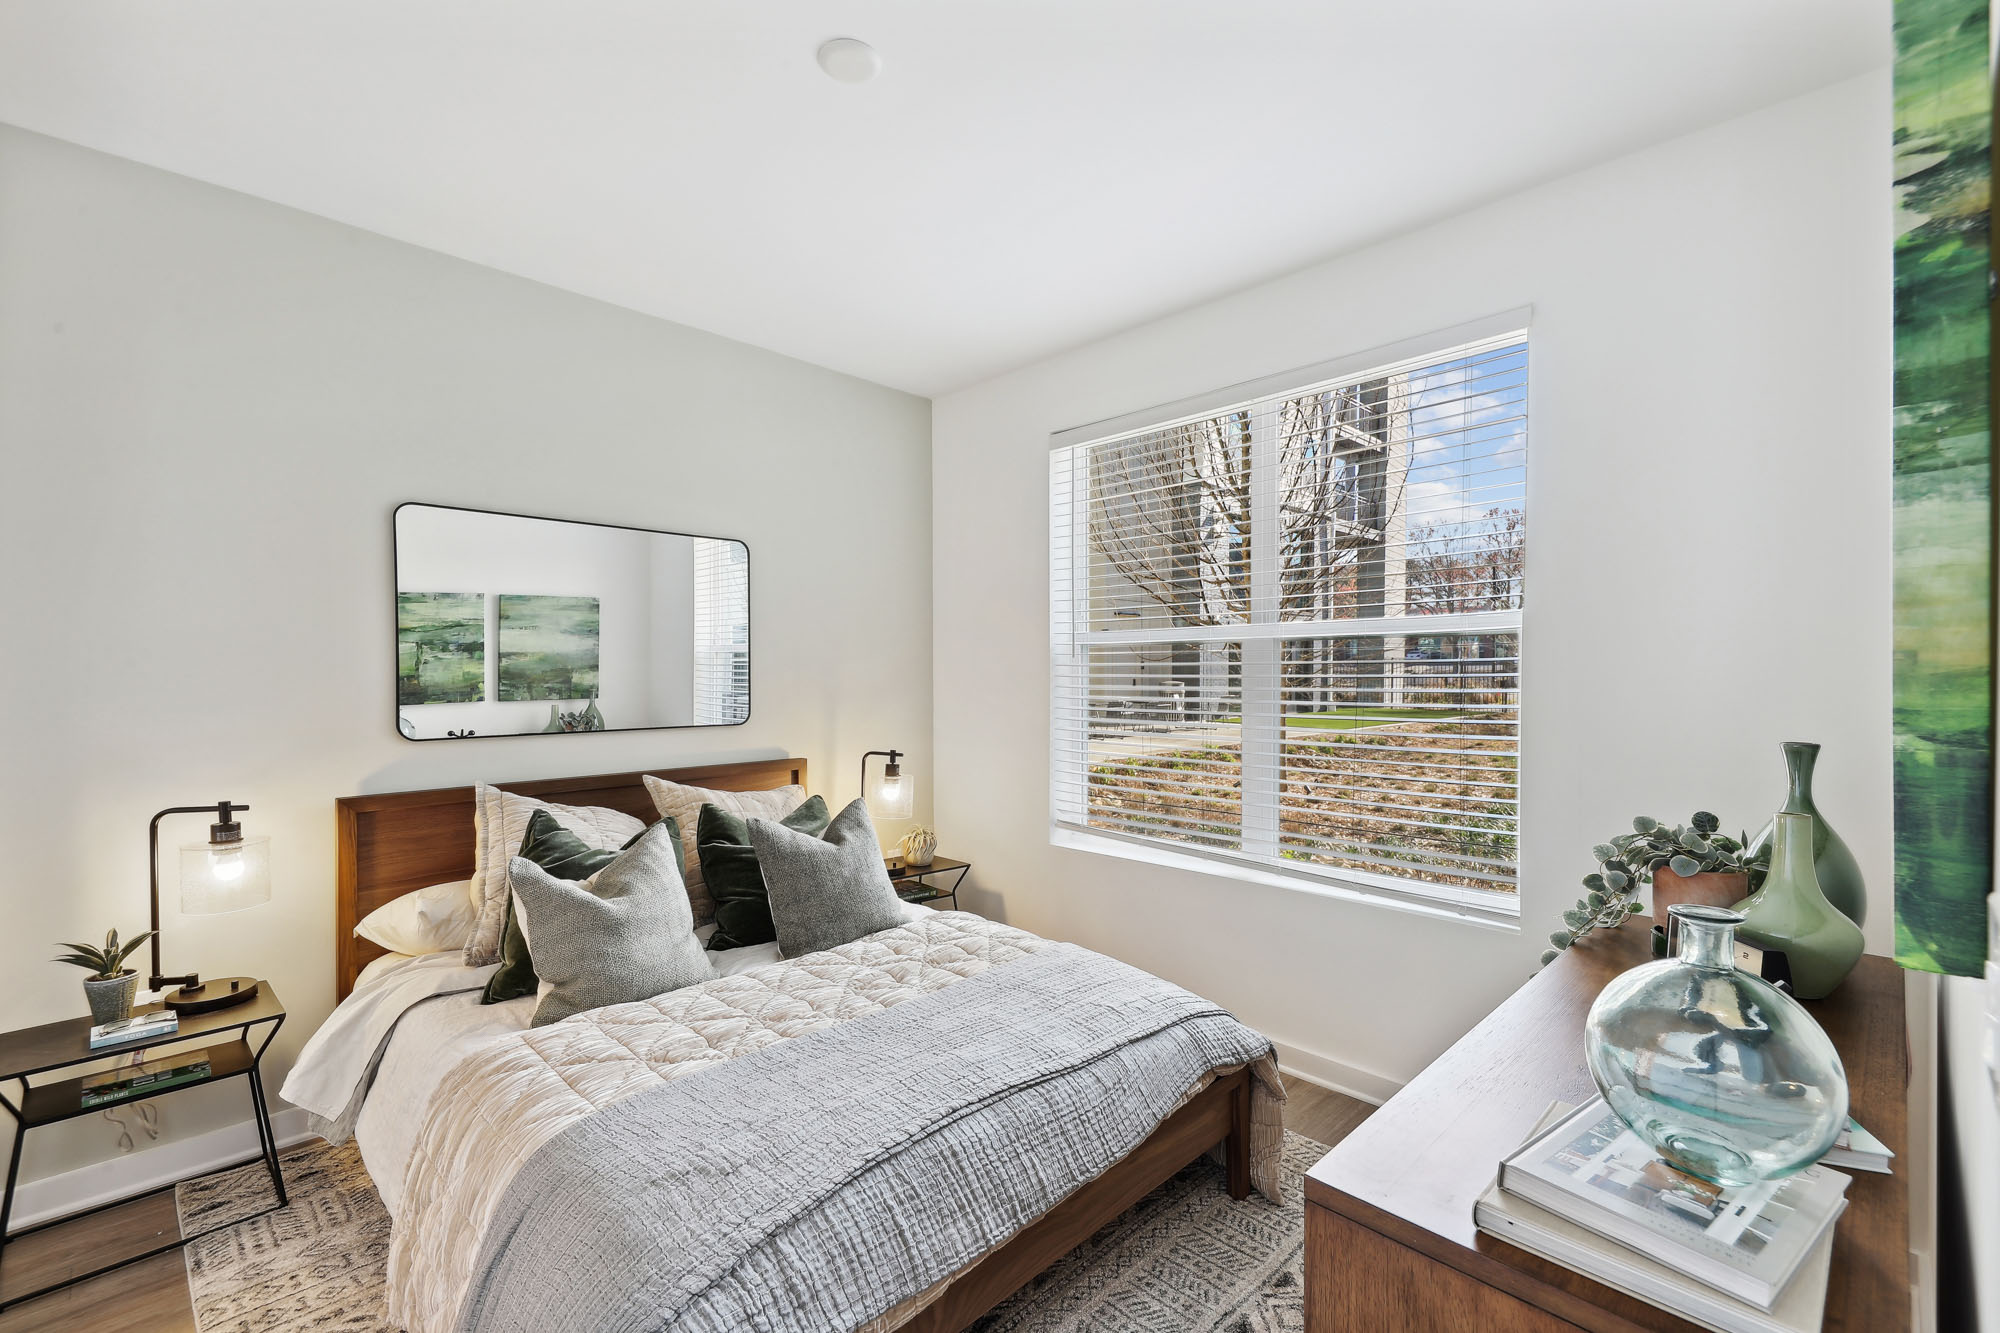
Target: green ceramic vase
[1792, 913]
[1839, 873]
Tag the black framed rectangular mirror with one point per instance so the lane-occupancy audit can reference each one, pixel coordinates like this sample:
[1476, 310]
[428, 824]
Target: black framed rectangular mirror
[509, 625]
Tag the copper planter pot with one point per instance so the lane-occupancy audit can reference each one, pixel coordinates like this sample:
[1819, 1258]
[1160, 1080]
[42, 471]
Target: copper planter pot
[1711, 888]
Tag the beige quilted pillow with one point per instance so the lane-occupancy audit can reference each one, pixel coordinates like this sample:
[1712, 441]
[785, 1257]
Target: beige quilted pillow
[499, 822]
[677, 801]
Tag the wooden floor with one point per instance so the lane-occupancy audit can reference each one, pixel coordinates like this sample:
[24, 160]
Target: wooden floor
[153, 1294]
[1327, 1117]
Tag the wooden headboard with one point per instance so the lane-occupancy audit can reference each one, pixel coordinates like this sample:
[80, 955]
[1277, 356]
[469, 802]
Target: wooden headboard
[400, 841]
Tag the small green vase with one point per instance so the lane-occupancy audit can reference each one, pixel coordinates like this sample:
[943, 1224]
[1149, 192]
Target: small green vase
[1791, 913]
[1839, 873]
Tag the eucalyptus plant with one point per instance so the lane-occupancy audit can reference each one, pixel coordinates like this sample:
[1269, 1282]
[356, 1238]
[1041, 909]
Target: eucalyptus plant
[1625, 862]
[105, 962]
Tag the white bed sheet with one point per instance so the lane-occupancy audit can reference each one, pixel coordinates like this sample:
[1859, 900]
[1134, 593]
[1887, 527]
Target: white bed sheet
[436, 1033]
[333, 1069]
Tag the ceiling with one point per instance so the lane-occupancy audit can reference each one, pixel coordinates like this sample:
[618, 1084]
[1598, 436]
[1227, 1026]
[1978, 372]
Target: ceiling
[1023, 175]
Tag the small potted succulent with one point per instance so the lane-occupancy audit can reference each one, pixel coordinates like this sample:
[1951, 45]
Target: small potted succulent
[1686, 863]
[919, 846]
[111, 985]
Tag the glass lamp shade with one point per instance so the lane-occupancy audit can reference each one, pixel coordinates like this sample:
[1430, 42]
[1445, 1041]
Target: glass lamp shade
[890, 796]
[225, 877]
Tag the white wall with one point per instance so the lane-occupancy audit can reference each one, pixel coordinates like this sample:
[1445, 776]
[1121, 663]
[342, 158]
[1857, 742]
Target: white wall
[1709, 573]
[671, 647]
[1969, 1218]
[209, 407]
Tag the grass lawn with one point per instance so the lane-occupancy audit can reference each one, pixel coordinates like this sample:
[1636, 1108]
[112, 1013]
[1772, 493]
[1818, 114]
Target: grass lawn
[1358, 718]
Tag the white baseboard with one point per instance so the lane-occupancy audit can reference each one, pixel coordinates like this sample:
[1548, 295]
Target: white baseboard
[1335, 1075]
[134, 1173]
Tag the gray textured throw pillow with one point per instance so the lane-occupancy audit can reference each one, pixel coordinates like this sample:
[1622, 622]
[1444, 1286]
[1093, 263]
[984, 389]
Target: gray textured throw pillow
[624, 934]
[825, 892]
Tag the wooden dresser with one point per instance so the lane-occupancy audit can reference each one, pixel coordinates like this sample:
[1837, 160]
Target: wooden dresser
[1390, 1243]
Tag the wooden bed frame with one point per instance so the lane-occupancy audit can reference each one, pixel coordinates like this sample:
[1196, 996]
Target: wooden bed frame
[405, 840]
[399, 841]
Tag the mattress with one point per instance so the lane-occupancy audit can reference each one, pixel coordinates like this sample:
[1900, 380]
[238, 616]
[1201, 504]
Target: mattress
[435, 1034]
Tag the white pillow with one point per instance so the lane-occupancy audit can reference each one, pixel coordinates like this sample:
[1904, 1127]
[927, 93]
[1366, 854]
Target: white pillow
[428, 920]
[678, 801]
[499, 822]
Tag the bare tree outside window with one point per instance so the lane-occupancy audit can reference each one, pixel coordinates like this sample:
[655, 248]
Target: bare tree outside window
[1468, 566]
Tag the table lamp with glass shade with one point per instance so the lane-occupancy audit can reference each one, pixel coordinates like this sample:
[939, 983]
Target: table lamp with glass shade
[890, 796]
[227, 873]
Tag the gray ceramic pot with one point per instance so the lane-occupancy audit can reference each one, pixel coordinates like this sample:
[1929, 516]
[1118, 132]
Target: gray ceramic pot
[111, 998]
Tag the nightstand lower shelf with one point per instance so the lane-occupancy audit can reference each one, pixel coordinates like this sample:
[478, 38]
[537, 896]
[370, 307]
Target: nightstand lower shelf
[47, 1103]
[912, 883]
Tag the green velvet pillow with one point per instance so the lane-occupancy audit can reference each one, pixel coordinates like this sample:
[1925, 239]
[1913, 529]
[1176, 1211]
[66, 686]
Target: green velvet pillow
[735, 881]
[555, 849]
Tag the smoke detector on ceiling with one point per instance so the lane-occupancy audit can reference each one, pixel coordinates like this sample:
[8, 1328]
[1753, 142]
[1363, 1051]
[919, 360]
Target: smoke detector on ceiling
[849, 60]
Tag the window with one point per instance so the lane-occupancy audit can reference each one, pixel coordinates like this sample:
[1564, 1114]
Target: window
[1287, 631]
[721, 632]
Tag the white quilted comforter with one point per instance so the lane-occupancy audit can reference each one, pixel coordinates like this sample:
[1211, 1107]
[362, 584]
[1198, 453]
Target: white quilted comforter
[497, 1107]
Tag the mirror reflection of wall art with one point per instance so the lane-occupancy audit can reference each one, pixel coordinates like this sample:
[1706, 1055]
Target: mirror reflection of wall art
[585, 626]
[548, 647]
[440, 647]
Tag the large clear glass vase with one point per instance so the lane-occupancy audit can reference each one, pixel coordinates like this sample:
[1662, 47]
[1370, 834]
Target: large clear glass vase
[1725, 1075]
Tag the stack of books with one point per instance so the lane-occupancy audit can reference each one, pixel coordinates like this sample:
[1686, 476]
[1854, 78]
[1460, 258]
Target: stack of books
[1587, 1193]
[169, 1071]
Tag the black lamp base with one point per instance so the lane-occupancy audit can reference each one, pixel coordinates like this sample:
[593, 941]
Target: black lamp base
[215, 993]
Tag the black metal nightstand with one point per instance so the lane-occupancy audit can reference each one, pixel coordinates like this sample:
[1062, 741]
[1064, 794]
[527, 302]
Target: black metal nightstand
[913, 884]
[66, 1045]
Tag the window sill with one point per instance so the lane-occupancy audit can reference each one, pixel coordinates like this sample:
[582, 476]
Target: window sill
[1488, 917]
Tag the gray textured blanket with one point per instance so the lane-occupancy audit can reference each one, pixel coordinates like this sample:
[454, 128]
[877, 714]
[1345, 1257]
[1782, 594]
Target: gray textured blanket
[818, 1183]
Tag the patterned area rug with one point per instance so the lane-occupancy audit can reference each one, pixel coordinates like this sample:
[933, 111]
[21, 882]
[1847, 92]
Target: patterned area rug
[319, 1263]
[1186, 1258]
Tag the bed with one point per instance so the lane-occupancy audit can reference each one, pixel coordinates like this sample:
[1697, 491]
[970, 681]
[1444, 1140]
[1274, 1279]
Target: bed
[463, 1112]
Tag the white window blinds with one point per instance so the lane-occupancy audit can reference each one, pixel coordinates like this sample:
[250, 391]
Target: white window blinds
[1288, 631]
[721, 632]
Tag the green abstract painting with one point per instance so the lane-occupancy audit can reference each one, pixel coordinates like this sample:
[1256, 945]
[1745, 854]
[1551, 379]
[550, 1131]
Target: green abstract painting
[440, 647]
[1943, 726]
[548, 647]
